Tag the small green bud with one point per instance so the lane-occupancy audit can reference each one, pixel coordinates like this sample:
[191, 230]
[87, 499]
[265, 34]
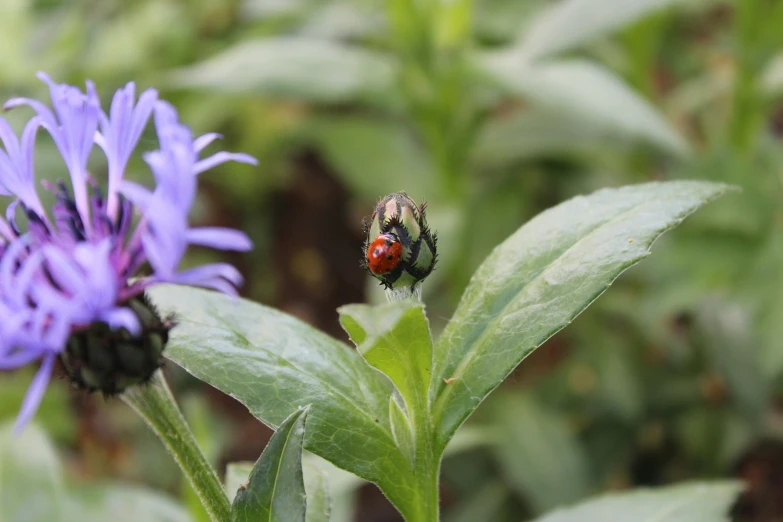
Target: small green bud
[101, 359]
[400, 250]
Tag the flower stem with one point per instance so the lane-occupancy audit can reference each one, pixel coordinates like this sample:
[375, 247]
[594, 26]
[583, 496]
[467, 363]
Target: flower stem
[401, 294]
[156, 405]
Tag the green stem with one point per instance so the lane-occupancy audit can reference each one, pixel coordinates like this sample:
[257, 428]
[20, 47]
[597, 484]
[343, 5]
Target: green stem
[156, 405]
[426, 468]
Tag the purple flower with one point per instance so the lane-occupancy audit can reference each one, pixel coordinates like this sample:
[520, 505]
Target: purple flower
[80, 263]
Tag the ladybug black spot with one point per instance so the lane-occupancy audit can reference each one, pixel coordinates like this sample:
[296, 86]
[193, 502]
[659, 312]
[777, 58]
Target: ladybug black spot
[389, 257]
[389, 242]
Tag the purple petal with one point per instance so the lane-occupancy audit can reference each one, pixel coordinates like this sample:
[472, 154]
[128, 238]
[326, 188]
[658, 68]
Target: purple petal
[136, 194]
[201, 142]
[122, 318]
[62, 269]
[20, 358]
[9, 139]
[222, 157]
[35, 393]
[219, 238]
[196, 276]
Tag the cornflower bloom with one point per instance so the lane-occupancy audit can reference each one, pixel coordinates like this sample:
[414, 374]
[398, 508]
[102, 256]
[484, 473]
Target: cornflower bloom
[72, 278]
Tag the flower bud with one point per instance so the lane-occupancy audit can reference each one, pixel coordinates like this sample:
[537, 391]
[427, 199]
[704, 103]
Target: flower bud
[400, 250]
[101, 359]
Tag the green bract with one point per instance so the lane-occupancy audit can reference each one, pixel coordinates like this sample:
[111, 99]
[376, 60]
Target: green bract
[130, 361]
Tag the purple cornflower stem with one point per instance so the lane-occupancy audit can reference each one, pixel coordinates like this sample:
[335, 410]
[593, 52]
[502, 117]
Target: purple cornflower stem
[155, 403]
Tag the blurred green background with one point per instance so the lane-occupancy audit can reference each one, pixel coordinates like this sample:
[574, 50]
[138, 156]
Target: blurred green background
[491, 110]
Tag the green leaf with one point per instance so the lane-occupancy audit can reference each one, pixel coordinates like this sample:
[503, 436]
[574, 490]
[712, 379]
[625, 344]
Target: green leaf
[726, 334]
[276, 490]
[570, 23]
[402, 430]
[541, 278]
[539, 454]
[583, 90]
[274, 364]
[316, 484]
[309, 69]
[394, 338]
[694, 502]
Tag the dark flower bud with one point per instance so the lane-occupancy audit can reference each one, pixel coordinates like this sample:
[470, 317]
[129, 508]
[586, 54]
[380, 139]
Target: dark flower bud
[400, 250]
[101, 359]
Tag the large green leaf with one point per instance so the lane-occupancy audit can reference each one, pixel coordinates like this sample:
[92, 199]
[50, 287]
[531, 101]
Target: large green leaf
[583, 90]
[706, 502]
[395, 338]
[541, 278]
[569, 23]
[276, 490]
[310, 69]
[274, 364]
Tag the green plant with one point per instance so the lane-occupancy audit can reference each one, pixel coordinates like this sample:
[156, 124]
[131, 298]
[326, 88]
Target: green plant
[387, 411]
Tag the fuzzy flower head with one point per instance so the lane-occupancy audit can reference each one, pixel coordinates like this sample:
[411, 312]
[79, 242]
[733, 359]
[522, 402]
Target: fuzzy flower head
[72, 279]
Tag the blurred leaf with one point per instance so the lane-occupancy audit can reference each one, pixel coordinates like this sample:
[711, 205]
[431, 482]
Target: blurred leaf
[33, 489]
[373, 157]
[533, 133]
[275, 364]
[123, 504]
[342, 20]
[343, 487]
[309, 69]
[585, 90]
[772, 77]
[486, 504]
[694, 502]
[275, 491]
[570, 23]
[237, 475]
[470, 437]
[31, 482]
[54, 414]
[539, 455]
[543, 276]
[319, 505]
[504, 19]
[725, 330]
[395, 339]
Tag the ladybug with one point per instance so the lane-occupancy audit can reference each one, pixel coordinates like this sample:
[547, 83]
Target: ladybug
[384, 254]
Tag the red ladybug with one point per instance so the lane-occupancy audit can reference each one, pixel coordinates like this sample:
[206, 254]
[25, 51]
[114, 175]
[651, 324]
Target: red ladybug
[384, 254]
